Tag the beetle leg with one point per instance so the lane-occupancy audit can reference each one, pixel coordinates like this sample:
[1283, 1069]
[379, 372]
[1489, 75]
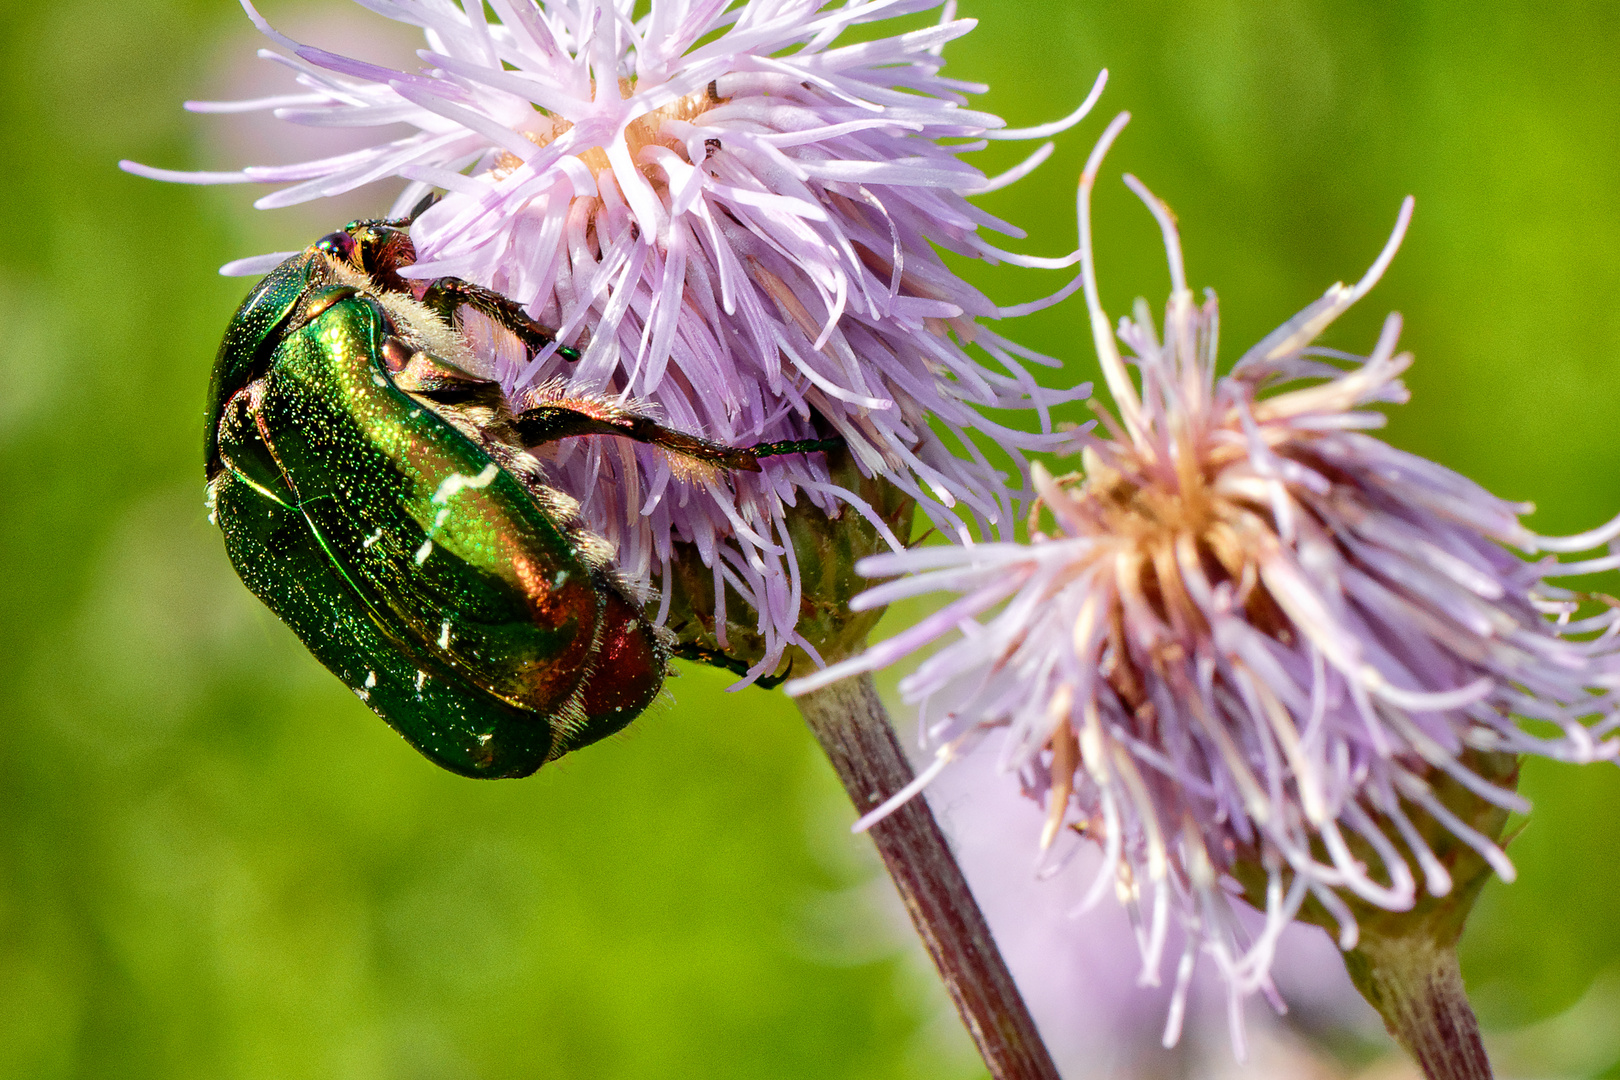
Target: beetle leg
[567, 417]
[796, 446]
[715, 658]
[447, 294]
[438, 380]
[246, 450]
[548, 423]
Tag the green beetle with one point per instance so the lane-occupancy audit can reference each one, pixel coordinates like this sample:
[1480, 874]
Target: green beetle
[380, 500]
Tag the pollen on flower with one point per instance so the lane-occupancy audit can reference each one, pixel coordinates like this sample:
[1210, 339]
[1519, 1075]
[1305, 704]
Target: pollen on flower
[1247, 635]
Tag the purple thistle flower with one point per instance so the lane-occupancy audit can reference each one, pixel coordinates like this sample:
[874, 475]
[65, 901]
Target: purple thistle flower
[1078, 975]
[1253, 634]
[735, 218]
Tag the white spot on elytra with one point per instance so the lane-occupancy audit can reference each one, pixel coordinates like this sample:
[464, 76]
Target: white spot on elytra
[421, 677]
[372, 539]
[444, 635]
[483, 740]
[456, 481]
[371, 679]
[363, 695]
[448, 487]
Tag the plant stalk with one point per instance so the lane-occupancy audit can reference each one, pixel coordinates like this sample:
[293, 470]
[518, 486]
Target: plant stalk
[849, 721]
[1416, 986]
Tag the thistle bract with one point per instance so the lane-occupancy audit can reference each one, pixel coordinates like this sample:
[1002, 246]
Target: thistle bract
[735, 218]
[1249, 634]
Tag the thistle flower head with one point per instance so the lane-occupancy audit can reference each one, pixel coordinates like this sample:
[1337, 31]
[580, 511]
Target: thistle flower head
[1248, 634]
[735, 218]
[1077, 974]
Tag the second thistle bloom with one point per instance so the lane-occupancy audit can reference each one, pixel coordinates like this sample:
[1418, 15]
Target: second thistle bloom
[1248, 633]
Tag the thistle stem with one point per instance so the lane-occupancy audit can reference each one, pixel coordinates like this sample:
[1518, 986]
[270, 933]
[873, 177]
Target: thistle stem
[849, 721]
[1416, 986]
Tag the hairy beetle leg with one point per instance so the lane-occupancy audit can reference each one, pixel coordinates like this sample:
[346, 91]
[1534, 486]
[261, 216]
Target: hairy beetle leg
[441, 382]
[447, 294]
[571, 417]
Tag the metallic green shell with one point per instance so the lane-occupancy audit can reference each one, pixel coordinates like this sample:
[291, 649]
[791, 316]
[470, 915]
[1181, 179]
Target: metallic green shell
[412, 565]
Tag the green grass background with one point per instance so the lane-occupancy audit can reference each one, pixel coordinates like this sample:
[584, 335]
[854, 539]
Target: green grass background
[214, 862]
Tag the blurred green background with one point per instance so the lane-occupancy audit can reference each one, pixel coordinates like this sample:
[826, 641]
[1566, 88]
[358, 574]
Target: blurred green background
[214, 862]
